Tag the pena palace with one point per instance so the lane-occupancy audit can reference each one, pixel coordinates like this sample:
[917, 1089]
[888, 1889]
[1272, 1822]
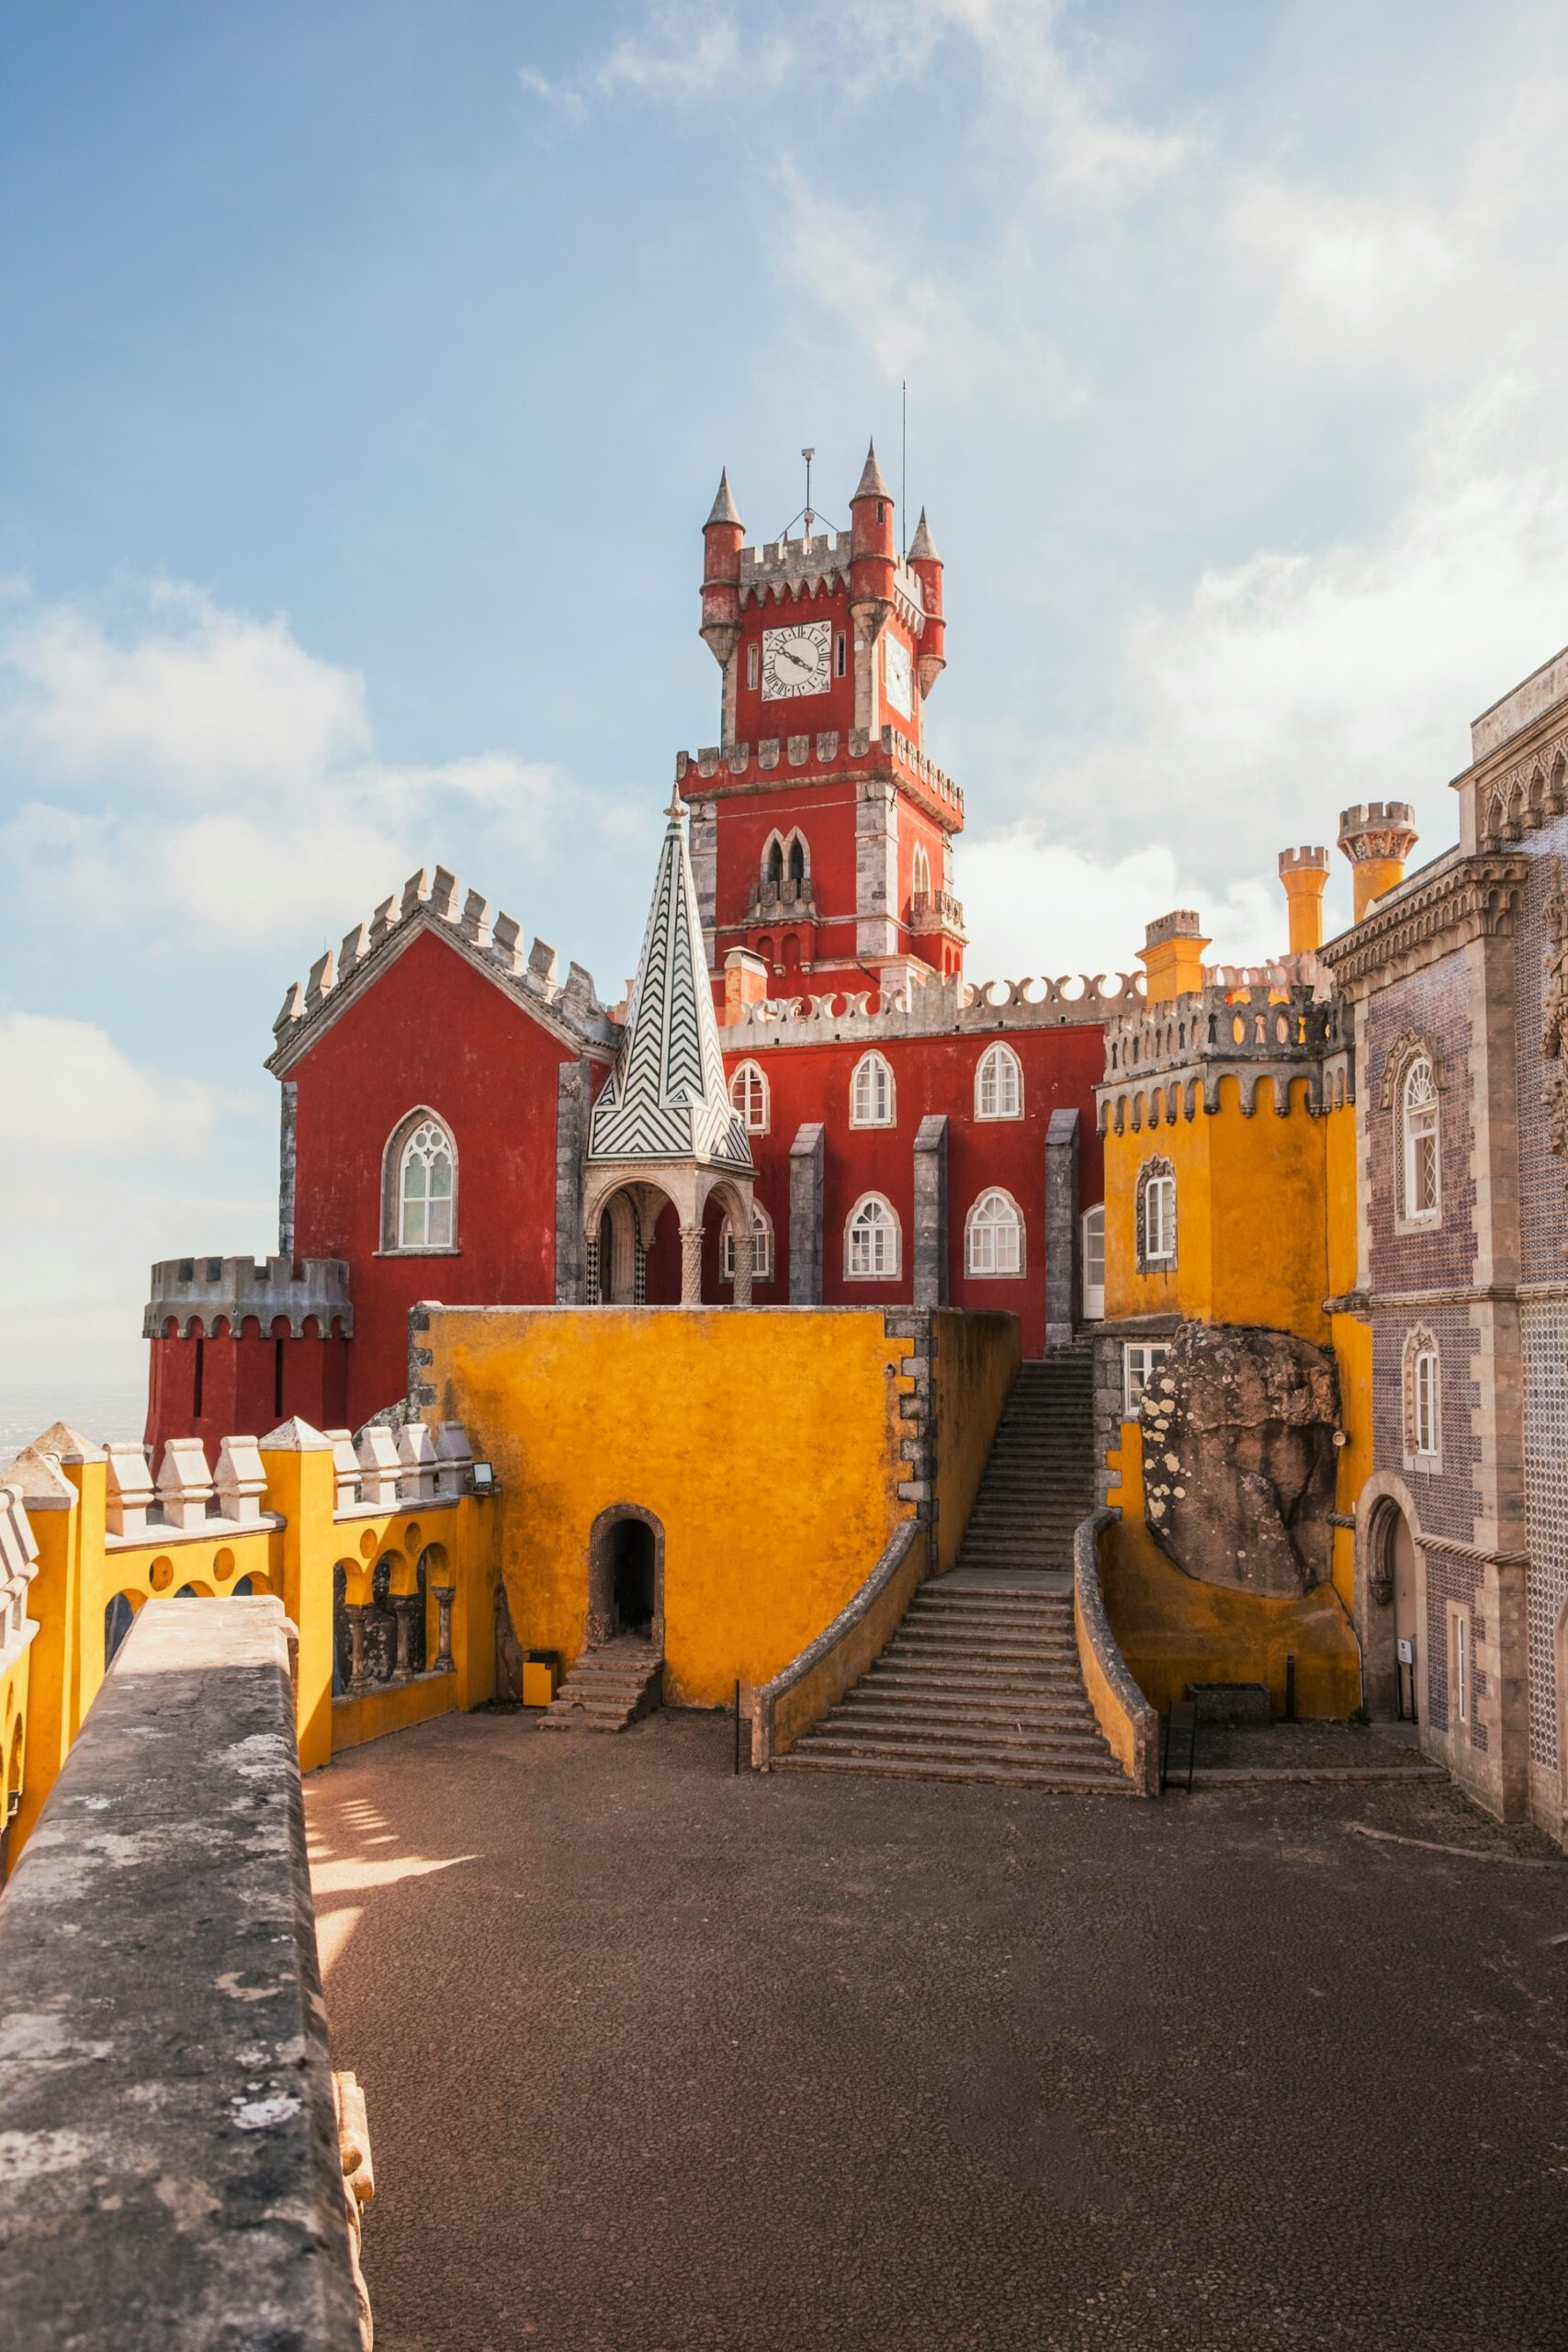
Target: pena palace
[450, 1127]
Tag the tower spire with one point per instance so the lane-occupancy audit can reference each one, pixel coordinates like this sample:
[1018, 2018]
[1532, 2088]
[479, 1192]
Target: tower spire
[723, 509]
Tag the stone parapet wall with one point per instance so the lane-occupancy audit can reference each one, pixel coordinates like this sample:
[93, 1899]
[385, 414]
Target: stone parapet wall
[174, 2170]
[198, 1293]
[934, 1008]
[827, 756]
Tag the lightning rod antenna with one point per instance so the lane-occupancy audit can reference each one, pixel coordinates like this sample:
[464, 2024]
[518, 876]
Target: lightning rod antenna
[904, 465]
[808, 455]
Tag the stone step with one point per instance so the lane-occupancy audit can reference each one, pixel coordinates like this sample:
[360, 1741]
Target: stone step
[959, 1680]
[935, 1765]
[984, 1641]
[983, 1725]
[607, 1690]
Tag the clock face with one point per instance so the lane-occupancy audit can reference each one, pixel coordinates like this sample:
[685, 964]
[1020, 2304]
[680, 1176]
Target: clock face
[895, 675]
[796, 661]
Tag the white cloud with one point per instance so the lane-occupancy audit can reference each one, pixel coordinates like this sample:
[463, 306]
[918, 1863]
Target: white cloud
[685, 53]
[1035, 908]
[196, 761]
[69, 1090]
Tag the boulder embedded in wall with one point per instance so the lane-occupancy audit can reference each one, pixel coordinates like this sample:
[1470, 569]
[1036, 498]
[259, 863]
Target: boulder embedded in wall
[1238, 1428]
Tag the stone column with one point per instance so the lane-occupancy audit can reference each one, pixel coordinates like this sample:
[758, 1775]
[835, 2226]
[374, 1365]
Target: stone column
[743, 1269]
[931, 1212]
[805, 1155]
[445, 1596]
[1061, 1228]
[571, 1139]
[691, 1265]
[356, 1611]
[403, 1606]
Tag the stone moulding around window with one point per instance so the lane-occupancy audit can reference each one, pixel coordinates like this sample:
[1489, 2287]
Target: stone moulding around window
[1420, 1341]
[1146, 1175]
[392, 1180]
[1410, 1048]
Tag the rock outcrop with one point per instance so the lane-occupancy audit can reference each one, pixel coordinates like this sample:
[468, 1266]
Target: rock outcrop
[1238, 1431]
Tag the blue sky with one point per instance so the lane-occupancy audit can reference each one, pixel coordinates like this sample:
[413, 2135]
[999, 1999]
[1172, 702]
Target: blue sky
[369, 369]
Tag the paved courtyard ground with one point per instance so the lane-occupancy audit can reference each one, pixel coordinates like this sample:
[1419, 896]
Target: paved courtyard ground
[659, 2059]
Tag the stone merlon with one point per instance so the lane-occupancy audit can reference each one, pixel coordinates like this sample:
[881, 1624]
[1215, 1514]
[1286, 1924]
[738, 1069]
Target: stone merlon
[196, 1292]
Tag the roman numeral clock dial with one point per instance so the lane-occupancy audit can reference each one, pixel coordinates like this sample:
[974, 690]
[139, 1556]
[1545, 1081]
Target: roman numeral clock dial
[796, 661]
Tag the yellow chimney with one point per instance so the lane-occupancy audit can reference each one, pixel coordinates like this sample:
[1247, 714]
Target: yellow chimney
[1172, 957]
[1303, 873]
[1377, 837]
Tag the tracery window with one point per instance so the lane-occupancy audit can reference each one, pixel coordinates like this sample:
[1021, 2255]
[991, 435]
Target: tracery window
[761, 1246]
[920, 873]
[871, 1093]
[1422, 1171]
[1423, 1400]
[871, 1247]
[749, 1095]
[993, 1240]
[426, 1188]
[998, 1084]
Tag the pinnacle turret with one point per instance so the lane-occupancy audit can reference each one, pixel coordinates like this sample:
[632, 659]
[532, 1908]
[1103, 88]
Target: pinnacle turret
[871, 482]
[724, 510]
[923, 547]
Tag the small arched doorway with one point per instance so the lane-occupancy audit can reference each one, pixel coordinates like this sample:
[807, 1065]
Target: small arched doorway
[626, 1578]
[1391, 1659]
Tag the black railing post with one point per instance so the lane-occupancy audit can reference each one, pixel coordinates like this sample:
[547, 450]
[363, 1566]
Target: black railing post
[738, 1727]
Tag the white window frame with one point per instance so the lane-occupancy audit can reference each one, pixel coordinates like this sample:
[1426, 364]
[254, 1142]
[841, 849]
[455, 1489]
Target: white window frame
[980, 1227]
[755, 1095]
[890, 1243]
[1158, 1211]
[920, 872]
[1141, 1360]
[761, 1246]
[873, 1079]
[395, 1204]
[1006, 1093]
[1420, 1122]
[1091, 1225]
[1425, 1404]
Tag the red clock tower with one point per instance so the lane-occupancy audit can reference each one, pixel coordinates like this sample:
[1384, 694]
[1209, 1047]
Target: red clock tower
[822, 834]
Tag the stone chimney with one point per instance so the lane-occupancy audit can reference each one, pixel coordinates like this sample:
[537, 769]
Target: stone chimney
[1304, 872]
[1377, 837]
[745, 984]
[1172, 957]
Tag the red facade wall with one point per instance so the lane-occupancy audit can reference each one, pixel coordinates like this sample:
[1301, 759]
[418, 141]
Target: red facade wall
[1061, 1069]
[433, 1032]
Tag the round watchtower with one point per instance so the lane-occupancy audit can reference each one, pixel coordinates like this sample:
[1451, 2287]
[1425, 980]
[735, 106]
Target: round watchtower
[1377, 836]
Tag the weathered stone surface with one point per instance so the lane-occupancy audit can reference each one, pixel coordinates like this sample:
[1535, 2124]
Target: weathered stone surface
[170, 2172]
[1239, 1429]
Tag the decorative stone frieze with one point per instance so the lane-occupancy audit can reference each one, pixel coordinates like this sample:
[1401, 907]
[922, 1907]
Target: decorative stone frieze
[1444, 906]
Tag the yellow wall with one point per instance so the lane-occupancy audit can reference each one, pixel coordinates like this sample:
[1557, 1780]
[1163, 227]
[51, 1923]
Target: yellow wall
[1250, 1215]
[81, 1569]
[976, 1361]
[767, 1445]
[1172, 1630]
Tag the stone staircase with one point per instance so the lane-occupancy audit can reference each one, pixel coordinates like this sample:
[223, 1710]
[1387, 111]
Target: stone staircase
[607, 1689]
[1039, 1482]
[982, 1681]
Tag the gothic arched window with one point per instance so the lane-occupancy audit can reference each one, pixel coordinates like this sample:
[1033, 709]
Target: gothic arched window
[1157, 1217]
[920, 873]
[870, 1092]
[871, 1241]
[1418, 1117]
[773, 863]
[761, 1247]
[749, 1095]
[426, 1185]
[993, 1238]
[797, 861]
[998, 1084]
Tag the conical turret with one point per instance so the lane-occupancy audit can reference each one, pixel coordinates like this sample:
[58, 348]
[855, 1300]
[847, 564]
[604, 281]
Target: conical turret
[930, 659]
[723, 534]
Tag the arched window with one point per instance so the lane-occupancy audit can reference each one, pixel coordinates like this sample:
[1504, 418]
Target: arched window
[1094, 1263]
[871, 1093]
[761, 1247]
[773, 863]
[920, 873]
[1157, 1217]
[871, 1240]
[749, 1094]
[427, 1188]
[797, 861]
[993, 1238]
[998, 1084]
[1423, 1400]
[1419, 1113]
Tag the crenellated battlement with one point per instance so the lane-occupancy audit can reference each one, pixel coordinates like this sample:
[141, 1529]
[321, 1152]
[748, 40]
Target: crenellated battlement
[198, 1293]
[1278, 1020]
[788, 571]
[933, 1008]
[436, 902]
[830, 752]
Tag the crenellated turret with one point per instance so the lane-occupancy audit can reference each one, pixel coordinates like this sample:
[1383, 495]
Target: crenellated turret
[723, 534]
[927, 566]
[874, 562]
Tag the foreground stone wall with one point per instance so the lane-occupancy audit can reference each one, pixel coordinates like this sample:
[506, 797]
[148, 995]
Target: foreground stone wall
[172, 2172]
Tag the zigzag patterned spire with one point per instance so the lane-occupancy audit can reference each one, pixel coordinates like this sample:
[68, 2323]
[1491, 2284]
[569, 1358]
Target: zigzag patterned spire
[665, 1098]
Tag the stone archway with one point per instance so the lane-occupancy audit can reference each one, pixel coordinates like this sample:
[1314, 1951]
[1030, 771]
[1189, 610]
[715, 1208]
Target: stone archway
[634, 1196]
[626, 1577]
[1391, 1599]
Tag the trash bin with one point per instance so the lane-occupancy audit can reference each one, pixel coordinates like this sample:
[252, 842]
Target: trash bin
[541, 1676]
